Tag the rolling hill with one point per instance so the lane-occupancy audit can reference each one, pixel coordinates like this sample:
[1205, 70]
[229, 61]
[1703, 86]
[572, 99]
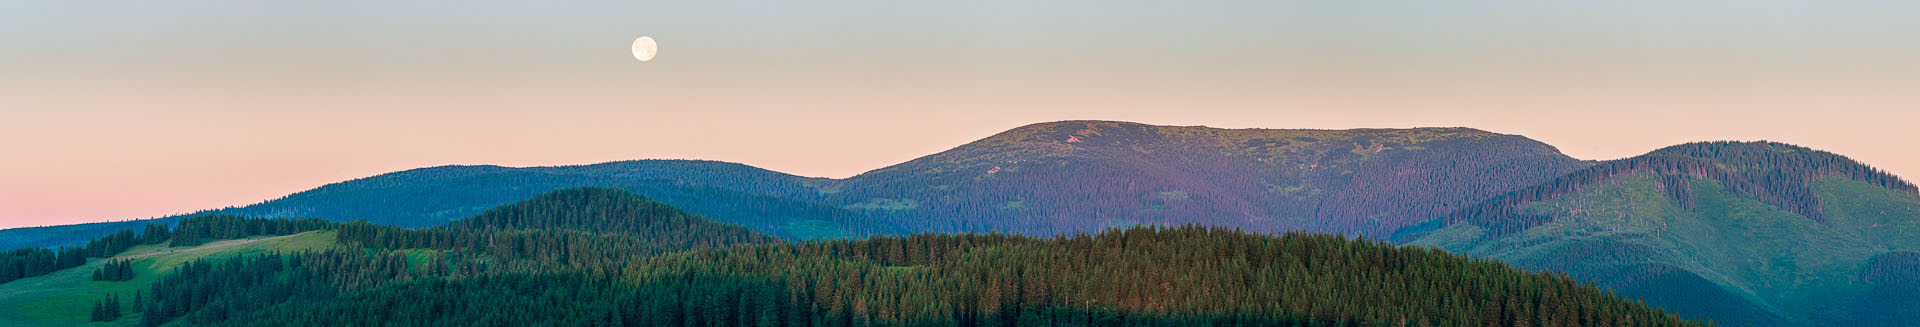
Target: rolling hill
[1744, 233]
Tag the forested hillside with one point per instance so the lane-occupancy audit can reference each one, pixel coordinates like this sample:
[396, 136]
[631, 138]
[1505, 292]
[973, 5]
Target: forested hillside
[1774, 173]
[1761, 234]
[601, 257]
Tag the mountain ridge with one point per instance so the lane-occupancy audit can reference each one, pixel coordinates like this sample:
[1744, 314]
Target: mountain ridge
[1158, 174]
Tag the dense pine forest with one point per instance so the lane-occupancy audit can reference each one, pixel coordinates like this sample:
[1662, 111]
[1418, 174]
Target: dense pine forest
[1140, 276]
[603, 257]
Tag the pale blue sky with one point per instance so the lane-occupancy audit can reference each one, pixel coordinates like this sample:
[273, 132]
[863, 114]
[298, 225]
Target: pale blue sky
[127, 109]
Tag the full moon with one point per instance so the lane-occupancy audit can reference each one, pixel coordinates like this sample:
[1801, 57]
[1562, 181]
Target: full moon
[644, 48]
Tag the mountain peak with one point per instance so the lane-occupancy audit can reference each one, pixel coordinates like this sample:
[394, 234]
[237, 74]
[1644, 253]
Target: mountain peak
[1062, 131]
[1100, 173]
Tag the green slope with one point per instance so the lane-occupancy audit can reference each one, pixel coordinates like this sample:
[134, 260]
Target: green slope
[64, 297]
[1629, 235]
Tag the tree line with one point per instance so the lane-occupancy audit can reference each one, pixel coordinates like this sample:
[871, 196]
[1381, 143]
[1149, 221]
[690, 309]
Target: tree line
[198, 229]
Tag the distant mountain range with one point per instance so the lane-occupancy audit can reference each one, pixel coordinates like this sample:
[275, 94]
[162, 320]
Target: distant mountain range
[1040, 179]
[1742, 233]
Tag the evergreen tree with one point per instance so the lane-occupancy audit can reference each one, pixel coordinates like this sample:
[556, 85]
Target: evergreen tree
[107, 309]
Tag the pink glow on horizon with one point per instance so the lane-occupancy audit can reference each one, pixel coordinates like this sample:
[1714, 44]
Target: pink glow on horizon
[231, 105]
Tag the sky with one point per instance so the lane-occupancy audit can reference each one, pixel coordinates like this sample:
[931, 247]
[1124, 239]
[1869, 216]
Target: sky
[116, 110]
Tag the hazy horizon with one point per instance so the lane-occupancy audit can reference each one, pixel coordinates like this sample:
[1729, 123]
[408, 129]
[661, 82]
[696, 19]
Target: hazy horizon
[125, 110]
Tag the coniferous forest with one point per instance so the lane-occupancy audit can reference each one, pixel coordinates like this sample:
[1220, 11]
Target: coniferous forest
[602, 257]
